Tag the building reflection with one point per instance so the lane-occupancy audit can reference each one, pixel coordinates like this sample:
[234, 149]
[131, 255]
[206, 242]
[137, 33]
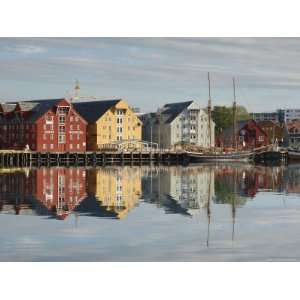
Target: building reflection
[44, 191]
[117, 189]
[181, 190]
[112, 192]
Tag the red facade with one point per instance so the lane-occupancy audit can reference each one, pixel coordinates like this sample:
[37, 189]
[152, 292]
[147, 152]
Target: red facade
[252, 136]
[44, 126]
[248, 135]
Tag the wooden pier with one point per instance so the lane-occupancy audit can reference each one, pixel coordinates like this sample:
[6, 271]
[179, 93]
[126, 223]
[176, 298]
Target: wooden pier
[19, 159]
[11, 159]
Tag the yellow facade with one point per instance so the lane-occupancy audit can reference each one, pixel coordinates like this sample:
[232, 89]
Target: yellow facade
[117, 124]
[117, 188]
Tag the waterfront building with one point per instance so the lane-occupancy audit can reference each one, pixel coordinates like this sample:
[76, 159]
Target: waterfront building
[177, 124]
[248, 135]
[109, 122]
[274, 131]
[292, 137]
[43, 125]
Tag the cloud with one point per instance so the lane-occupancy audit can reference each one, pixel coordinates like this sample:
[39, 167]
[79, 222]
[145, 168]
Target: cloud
[26, 49]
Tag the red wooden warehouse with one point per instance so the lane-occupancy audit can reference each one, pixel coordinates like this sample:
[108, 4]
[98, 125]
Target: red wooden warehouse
[42, 125]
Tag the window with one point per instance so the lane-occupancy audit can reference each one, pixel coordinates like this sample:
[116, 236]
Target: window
[51, 146]
[71, 137]
[71, 146]
[119, 120]
[71, 119]
[261, 138]
[78, 146]
[51, 137]
[61, 138]
[62, 129]
[44, 146]
[62, 119]
[78, 127]
[71, 127]
[76, 119]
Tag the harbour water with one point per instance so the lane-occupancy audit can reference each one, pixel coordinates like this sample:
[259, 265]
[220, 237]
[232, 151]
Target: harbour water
[225, 212]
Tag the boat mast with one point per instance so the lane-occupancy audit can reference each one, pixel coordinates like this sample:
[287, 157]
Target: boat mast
[233, 204]
[234, 108]
[208, 210]
[209, 109]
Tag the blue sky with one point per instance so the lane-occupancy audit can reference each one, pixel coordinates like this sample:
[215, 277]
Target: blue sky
[149, 72]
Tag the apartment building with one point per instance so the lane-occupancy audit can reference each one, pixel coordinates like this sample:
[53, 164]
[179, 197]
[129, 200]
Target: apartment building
[109, 122]
[179, 123]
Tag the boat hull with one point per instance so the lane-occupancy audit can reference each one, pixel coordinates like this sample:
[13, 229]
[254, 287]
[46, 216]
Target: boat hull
[228, 157]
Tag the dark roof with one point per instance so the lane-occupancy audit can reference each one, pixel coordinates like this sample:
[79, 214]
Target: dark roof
[40, 107]
[91, 111]
[174, 109]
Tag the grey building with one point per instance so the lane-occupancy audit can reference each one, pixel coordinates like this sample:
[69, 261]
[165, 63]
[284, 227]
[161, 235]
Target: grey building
[265, 116]
[178, 123]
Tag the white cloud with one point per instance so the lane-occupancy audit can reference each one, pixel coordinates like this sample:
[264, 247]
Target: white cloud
[27, 49]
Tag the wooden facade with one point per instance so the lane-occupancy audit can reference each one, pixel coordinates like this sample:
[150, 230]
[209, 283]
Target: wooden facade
[43, 125]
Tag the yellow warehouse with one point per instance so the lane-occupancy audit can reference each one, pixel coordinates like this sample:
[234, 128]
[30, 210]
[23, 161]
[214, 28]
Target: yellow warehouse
[109, 122]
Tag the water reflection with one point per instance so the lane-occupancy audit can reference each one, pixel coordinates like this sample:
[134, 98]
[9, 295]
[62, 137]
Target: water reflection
[112, 192]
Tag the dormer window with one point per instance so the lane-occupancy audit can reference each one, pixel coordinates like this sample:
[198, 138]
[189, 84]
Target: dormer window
[63, 109]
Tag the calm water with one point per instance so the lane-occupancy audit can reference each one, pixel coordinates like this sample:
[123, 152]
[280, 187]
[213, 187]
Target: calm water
[233, 212]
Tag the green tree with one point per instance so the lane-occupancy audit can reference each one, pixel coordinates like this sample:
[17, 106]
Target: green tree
[223, 116]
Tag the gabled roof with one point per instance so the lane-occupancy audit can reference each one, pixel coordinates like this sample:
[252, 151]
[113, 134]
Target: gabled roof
[26, 106]
[7, 107]
[91, 111]
[174, 109]
[39, 107]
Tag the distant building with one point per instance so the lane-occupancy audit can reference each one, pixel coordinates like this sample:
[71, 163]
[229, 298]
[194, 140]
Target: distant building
[109, 122]
[248, 135]
[274, 130]
[265, 116]
[178, 123]
[42, 125]
[293, 134]
[288, 115]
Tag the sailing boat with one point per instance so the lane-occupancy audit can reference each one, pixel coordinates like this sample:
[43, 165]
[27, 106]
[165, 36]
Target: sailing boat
[213, 155]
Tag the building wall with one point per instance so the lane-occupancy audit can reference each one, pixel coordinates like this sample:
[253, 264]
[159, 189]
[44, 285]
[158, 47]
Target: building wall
[189, 127]
[49, 133]
[113, 127]
[45, 133]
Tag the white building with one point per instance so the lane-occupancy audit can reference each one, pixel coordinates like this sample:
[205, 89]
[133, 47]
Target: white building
[288, 115]
[179, 123]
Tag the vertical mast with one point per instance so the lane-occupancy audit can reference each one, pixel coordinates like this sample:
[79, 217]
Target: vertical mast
[233, 204]
[208, 210]
[209, 110]
[234, 115]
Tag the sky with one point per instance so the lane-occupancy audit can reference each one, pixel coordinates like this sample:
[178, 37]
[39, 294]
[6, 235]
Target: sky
[149, 72]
